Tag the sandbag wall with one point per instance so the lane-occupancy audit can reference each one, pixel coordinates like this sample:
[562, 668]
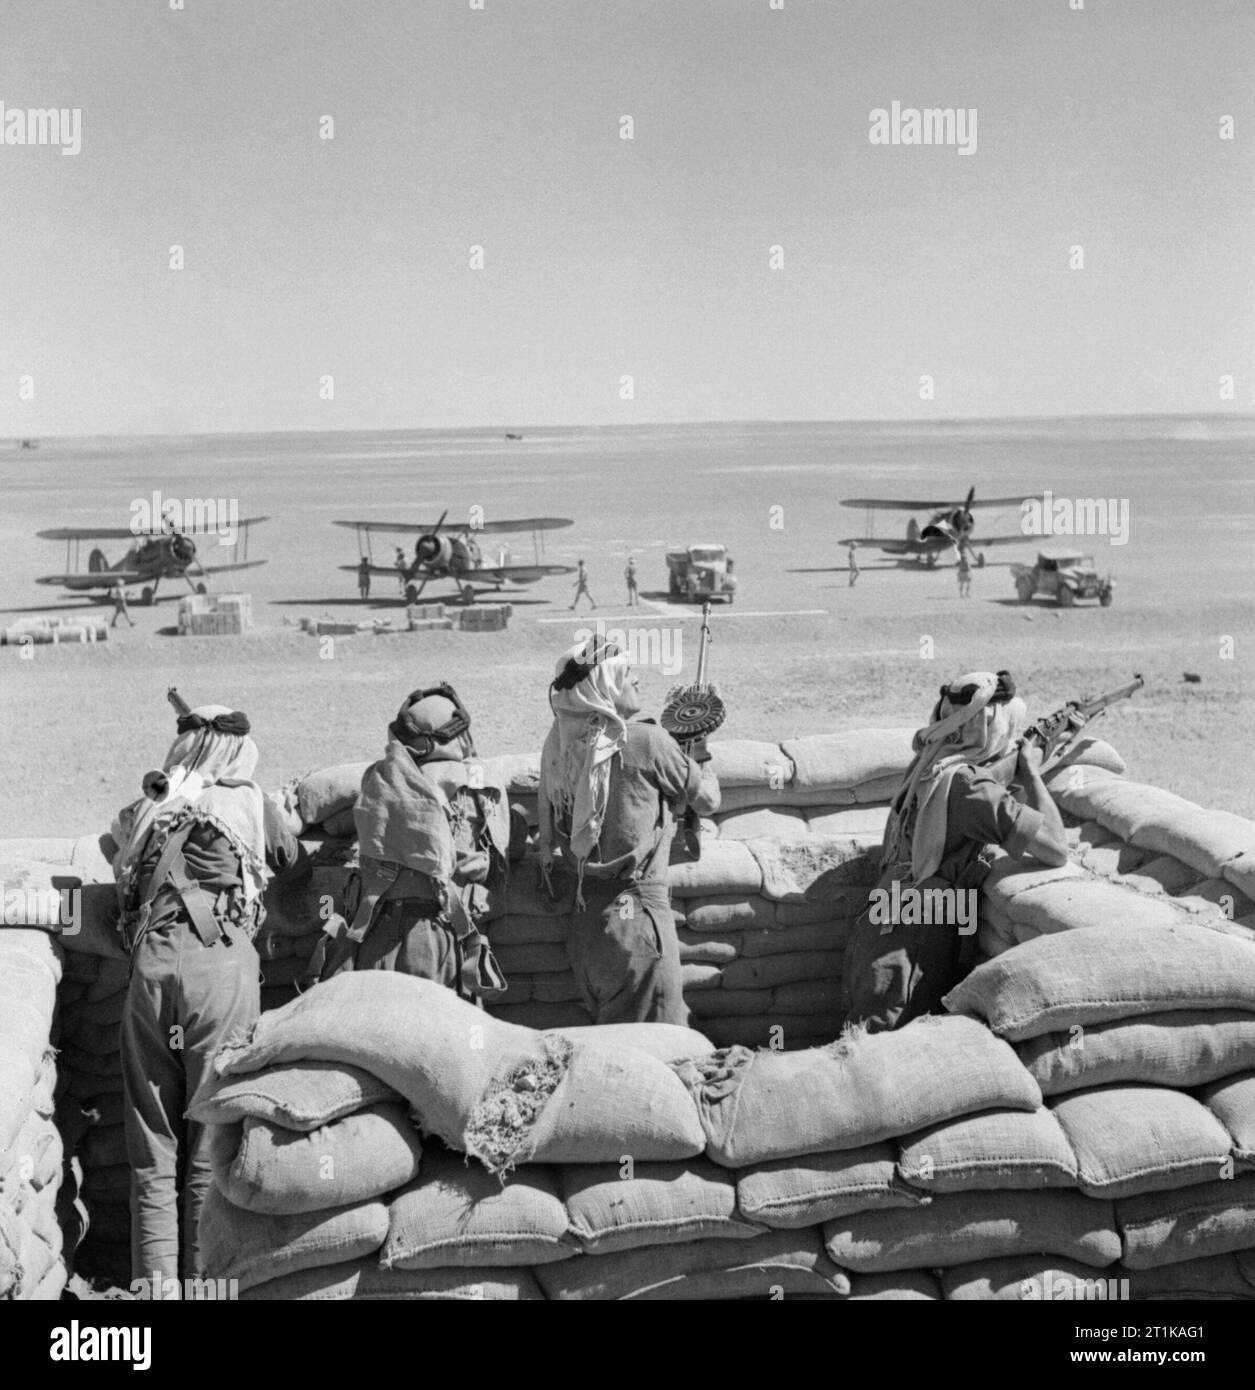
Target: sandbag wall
[31, 1263]
[380, 1139]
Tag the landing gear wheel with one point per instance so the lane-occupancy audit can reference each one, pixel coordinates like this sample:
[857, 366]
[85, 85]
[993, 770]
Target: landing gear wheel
[411, 593]
[146, 597]
[1065, 597]
[1024, 590]
[674, 586]
[980, 561]
[468, 596]
[200, 589]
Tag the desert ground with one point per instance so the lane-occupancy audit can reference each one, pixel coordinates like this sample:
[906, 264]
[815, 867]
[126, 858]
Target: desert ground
[799, 652]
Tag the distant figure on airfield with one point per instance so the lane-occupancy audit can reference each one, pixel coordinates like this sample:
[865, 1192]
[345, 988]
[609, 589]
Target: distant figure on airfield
[581, 586]
[630, 575]
[120, 608]
[363, 578]
[402, 565]
[965, 574]
[852, 547]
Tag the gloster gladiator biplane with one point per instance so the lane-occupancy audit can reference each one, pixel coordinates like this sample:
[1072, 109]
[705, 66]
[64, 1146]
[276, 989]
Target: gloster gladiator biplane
[949, 528]
[153, 555]
[449, 551]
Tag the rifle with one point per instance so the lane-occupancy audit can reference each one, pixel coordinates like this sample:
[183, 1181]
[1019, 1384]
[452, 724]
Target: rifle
[1055, 733]
[180, 704]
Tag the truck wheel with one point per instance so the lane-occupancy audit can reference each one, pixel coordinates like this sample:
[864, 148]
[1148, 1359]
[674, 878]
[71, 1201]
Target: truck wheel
[674, 586]
[146, 597]
[1024, 590]
[1065, 597]
[1105, 598]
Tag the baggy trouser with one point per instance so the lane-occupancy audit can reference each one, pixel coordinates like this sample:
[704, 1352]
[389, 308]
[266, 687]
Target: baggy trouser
[625, 954]
[185, 1000]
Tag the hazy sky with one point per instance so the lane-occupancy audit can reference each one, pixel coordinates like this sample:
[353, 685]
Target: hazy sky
[605, 257]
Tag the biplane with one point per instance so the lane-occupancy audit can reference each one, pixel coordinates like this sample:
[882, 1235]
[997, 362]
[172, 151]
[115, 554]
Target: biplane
[166, 553]
[449, 550]
[950, 527]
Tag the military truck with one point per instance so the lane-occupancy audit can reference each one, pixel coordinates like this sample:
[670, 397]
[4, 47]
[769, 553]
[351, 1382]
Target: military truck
[1065, 576]
[701, 572]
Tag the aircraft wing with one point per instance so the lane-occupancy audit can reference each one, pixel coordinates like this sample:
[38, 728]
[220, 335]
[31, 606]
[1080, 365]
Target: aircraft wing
[517, 574]
[894, 504]
[100, 579]
[222, 569]
[896, 546]
[487, 528]
[979, 542]
[374, 569]
[89, 533]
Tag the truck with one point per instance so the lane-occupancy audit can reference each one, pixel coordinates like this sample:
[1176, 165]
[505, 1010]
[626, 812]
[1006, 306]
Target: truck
[701, 572]
[1065, 576]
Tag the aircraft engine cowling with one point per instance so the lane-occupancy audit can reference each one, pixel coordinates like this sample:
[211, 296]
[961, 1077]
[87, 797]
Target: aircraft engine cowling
[182, 548]
[434, 550]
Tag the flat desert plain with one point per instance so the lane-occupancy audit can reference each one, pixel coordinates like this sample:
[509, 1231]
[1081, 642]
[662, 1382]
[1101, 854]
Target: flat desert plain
[799, 652]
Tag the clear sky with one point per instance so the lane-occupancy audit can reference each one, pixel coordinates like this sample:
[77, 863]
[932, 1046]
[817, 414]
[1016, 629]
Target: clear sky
[604, 257]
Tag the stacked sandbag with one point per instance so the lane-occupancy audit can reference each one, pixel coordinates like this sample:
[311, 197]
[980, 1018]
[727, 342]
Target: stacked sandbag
[31, 1263]
[566, 1165]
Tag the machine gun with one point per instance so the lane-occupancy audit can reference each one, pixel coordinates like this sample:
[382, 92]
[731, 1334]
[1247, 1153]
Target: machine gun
[689, 714]
[1055, 733]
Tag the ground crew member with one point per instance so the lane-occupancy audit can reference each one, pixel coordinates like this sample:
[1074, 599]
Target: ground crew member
[196, 851]
[403, 566]
[852, 546]
[432, 846]
[120, 608]
[965, 574]
[949, 808]
[363, 578]
[609, 786]
[581, 586]
[630, 575]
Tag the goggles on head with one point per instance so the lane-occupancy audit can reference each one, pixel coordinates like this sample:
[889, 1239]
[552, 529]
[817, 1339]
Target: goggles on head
[423, 741]
[576, 668]
[1003, 691]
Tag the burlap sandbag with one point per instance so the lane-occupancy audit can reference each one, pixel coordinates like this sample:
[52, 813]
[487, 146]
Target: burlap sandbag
[817, 869]
[1134, 1139]
[668, 1042]
[299, 1096]
[795, 1192]
[365, 1281]
[1212, 1218]
[500, 1092]
[766, 1266]
[613, 1207]
[864, 1088]
[1107, 973]
[1206, 840]
[959, 1227]
[1181, 1048]
[457, 1214]
[1232, 1101]
[331, 789]
[1033, 1279]
[743, 762]
[729, 912]
[255, 1248]
[262, 1167]
[726, 867]
[772, 822]
[849, 759]
[996, 1150]
[902, 1286]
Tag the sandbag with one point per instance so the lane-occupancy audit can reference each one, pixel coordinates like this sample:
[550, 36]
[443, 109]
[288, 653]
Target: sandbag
[322, 794]
[612, 1208]
[773, 822]
[1182, 1048]
[831, 934]
[458, 1214]
[903, 1286]
[1232, 1101]
[297, 1095]
[262, 1167]
[1134, 1139]
[726, 867]
[846, 760]
[766, 972]
[862, 821]
[861, 1089]
[795, 1192]
[1033, 1278]
[708, 950]
[364, 1280]
[959, 1227]
[996, 1150]
[818, 869]
[668, 1042]
[729, 912]
[254, 1248]
[499, 1092]
[750, 798]
[743, 762]
[1205, 840]
[1106, 973]
[1078, 903]
[1212, 1218]
[766, 1266]
[1212, 1277]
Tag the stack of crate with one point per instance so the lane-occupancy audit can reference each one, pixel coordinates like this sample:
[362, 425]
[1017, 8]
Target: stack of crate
[427, 617]
[202, 615]
[486, 617]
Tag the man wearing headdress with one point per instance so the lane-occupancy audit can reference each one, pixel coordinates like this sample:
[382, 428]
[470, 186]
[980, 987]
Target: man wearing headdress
[953, 803]
[196, 852]
[433, 843]
[609, 787]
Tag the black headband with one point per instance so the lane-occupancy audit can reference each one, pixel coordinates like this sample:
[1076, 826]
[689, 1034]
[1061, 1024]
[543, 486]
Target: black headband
[1003, 691]
[232, 723]
[575, 670]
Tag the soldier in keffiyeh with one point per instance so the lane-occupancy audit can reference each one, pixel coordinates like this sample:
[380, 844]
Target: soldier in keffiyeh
[952, 804]
[196, 851]
[609, 786]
